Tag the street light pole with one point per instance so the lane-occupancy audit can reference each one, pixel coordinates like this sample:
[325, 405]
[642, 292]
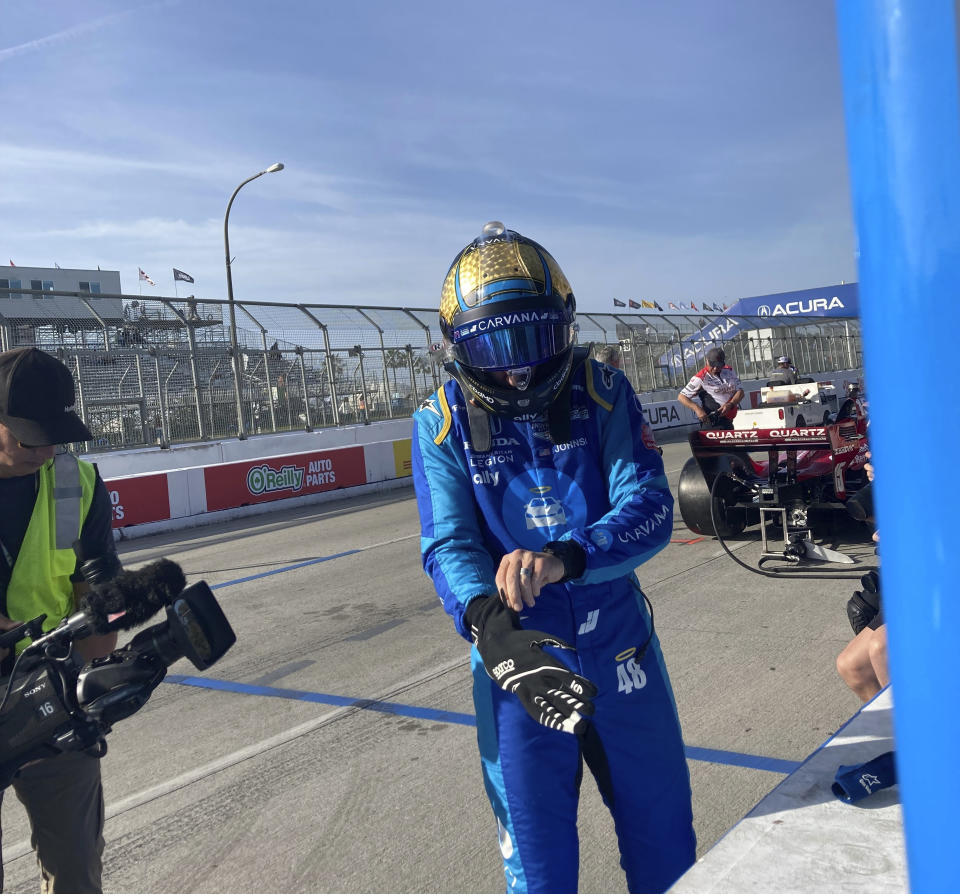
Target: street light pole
[234, 349]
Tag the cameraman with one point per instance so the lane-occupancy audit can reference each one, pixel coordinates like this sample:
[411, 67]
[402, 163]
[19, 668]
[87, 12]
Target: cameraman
[48, 503]
[863, 661]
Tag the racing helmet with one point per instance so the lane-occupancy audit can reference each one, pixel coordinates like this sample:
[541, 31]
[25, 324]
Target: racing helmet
[506, 307]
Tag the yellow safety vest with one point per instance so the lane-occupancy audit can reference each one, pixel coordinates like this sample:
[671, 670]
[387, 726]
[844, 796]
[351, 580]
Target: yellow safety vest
[40, 582]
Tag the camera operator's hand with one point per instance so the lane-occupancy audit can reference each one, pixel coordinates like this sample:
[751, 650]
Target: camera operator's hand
[514, 658]
[95, 645]
[6, 624]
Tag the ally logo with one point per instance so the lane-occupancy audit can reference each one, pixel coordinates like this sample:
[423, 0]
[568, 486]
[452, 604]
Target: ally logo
[264, 480]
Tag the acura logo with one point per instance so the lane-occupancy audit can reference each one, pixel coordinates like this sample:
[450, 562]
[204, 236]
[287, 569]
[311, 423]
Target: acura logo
[763, 310]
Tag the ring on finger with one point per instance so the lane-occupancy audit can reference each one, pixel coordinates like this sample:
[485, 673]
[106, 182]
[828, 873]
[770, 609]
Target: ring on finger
[525, 572]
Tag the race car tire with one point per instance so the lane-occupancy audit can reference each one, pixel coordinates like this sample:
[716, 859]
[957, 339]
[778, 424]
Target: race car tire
[693, 497]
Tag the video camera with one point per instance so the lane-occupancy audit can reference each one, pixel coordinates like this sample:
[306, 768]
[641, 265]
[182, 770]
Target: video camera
[55, 703]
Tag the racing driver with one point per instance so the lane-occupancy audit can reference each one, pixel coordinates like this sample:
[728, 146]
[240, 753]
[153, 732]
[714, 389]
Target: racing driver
[538, 497]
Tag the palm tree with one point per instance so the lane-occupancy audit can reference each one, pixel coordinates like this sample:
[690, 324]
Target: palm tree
[397, 358]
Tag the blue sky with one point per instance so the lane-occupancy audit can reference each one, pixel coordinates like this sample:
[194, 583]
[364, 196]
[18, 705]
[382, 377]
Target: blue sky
[672, 150]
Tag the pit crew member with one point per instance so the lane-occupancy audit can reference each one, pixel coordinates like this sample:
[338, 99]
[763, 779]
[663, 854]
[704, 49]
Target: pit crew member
[718, 389]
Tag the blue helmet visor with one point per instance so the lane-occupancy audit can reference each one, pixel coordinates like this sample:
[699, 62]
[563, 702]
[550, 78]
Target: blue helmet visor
[512, 346]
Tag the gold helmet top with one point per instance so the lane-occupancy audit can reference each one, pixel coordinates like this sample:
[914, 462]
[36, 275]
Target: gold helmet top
[500, 265]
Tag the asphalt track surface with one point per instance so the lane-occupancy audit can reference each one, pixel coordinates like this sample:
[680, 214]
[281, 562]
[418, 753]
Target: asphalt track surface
[333, 748]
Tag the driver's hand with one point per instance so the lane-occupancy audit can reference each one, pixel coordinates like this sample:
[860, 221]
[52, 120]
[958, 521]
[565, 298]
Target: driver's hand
[523, 573]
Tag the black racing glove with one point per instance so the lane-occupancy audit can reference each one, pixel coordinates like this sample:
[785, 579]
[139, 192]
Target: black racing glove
[712, 420]
[514, 658]
[863, 607]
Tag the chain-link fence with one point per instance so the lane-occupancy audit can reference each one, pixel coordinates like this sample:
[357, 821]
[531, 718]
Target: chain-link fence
[161, 370]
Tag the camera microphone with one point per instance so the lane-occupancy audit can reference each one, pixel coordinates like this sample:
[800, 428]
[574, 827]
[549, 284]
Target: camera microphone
[133, 597]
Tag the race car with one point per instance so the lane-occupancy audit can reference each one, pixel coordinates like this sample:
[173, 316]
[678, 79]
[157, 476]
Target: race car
[743, 477]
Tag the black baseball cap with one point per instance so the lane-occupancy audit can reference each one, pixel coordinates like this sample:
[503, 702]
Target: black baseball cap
[716, 357]
[36, 399]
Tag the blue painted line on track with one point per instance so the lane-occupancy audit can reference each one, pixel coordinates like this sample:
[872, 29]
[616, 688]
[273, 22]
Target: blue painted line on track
[708, 755]
[738, 759]
[327, 699]
[242, 580]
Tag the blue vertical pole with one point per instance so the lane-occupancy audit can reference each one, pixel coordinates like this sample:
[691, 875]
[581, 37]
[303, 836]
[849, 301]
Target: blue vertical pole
[902, 104]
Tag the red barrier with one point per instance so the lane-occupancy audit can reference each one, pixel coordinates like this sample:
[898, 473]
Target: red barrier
[135, 500]
[260, 480]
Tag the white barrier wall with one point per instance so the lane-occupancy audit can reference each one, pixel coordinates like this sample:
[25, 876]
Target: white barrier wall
[160, 497]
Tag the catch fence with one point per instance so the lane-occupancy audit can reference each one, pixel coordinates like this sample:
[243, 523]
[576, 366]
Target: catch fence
[159, 371]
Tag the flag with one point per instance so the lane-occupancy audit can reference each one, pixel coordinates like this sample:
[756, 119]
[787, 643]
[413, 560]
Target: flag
[12, 264]
[673, 306]
[724, 306]
[633, 303]
[717, 307]
[144, 276]
[55, 264]
[648, 304]
[618, 303]
[183, 277]
[693, 306]
[657, 306]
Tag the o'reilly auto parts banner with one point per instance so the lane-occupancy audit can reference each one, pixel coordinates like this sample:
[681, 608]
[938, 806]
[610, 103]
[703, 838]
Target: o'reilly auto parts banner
[135, 500]
[279, 477]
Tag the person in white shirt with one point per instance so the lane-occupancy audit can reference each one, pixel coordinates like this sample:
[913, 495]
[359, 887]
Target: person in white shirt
[718, 389]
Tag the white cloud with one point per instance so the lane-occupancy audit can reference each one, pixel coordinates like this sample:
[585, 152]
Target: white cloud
[68, 35]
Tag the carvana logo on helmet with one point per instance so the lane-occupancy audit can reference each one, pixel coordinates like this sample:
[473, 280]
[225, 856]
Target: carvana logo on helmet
[515, 319]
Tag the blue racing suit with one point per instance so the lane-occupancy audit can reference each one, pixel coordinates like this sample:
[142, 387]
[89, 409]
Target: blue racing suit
[605, 489]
